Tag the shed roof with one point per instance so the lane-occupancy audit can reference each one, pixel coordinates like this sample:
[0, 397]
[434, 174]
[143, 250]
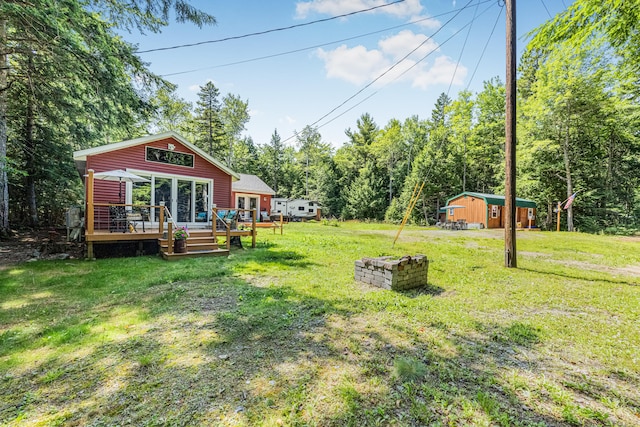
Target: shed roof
[251, 184]
[495, 199]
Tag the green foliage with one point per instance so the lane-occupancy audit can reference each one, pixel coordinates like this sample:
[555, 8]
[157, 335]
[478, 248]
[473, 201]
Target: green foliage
[366, 195]
[409, 369]
[171, 113]
[75, 84]
[615, 21]
[209, 127]
[330, 222]
[70, 82]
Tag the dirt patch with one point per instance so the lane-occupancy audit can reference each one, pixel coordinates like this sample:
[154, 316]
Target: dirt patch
[35, 245]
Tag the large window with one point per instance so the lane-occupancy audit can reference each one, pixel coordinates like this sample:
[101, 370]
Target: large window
[185, 205]
[162, 191]
[202, 202]
[187, 199]
[170, 157]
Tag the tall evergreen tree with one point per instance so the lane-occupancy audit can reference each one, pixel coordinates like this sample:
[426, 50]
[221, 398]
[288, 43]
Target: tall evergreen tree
[309, 141]
[210, 134]
[272, 162]
[70, 59]
[245, 156]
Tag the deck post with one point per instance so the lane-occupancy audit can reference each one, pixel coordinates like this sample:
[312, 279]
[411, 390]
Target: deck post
[169, 237]
[281, 223]
[161, 219]
[90, 213]
[228, 243]
[214, 222]
[253, 228]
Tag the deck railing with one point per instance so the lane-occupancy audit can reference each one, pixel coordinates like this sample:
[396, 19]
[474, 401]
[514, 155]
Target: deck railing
[120, 217]
[228, 222]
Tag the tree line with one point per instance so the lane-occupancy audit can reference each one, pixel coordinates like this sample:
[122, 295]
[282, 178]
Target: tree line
[72, 83]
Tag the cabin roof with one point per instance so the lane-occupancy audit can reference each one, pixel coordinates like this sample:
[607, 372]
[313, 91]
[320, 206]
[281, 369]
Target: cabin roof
[495, 199]
[251, 184]
[81, 155]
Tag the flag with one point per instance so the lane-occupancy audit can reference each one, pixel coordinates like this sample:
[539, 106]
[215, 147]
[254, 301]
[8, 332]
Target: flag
[570, 200]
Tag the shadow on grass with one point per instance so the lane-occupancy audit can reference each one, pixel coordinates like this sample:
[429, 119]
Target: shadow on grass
[197, 345]
[427, 289]
[585, 277]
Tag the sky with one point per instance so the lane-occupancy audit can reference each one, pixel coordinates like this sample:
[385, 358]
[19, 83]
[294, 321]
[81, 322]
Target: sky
[391, 62]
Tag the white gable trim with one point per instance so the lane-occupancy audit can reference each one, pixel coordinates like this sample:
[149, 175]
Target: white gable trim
[82, 155]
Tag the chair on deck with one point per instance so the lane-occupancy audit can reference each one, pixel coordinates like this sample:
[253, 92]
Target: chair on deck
[133, 217]
[229, 217]
[117, 219]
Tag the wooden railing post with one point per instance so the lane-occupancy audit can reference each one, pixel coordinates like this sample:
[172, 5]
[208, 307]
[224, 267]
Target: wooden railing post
[161, 219]
[228, 230]
[90, 208]
[214, 222]
[169, 237]
[281, 223]
[254, 229]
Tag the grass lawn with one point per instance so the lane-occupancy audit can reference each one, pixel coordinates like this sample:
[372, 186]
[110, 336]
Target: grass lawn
[282, 335]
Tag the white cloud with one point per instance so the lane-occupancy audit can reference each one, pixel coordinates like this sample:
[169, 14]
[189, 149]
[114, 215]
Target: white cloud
[426, 22]
[359, 65]
[288, 120]
[441, 72]
[356, 65]
[339, 7]
[401, 44]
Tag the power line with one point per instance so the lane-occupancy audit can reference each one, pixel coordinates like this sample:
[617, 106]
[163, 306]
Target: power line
[388, 70]
[484, 49]
[397, 77]
[259, 33]
[244, 61]
[464, 45]
[546, 8]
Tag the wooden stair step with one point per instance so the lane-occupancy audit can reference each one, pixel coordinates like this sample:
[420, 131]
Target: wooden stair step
[196, 246]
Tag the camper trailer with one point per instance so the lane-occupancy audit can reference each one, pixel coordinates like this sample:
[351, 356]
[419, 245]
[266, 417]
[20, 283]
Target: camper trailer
[295, 209]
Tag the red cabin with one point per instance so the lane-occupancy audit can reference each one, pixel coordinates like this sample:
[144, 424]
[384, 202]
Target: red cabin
[149, 181]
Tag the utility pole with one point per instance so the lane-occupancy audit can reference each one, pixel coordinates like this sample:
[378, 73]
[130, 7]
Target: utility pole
[510, 140]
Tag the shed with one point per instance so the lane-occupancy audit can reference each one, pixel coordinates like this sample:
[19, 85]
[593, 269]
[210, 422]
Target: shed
[488, 210]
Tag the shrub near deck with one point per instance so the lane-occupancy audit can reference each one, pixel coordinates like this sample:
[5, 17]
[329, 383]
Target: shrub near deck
[405, 273]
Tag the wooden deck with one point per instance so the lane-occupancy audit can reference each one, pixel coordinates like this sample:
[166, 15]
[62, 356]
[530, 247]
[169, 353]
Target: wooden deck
[107, 223]
[202, 241]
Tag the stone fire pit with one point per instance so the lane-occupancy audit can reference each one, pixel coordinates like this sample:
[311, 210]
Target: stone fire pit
[405, 273]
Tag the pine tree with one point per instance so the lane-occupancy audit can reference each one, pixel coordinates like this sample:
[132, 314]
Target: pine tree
[209, 127]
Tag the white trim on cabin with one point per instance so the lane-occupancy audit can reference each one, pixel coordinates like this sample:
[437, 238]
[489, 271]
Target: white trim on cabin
[82, 155]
